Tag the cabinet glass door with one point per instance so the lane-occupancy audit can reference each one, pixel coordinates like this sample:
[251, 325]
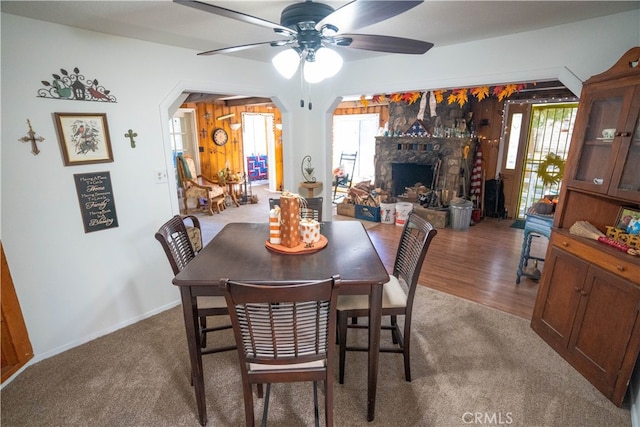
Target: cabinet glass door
[598, 145]
[626, 177]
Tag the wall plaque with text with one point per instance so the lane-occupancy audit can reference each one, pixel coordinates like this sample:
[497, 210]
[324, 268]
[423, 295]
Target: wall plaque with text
[97, 204]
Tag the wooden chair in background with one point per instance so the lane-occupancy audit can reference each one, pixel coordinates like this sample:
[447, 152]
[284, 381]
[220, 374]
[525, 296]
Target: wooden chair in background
[313, 210]
[343, 175]
[198, 187]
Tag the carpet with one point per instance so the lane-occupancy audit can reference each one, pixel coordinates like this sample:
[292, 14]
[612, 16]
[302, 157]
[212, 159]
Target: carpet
[518, 223]
[469, 362]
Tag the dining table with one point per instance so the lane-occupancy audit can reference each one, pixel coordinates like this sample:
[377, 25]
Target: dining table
[239, 252]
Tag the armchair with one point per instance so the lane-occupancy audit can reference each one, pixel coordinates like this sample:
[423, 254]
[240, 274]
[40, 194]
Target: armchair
[198, 187]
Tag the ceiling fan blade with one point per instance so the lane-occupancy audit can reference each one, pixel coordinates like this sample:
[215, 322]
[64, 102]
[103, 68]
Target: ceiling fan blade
[361, 13]
[238, 16]
[244, 47]
[385, 43]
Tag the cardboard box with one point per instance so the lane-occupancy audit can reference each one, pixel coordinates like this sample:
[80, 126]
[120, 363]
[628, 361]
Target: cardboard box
[346, 209]
[368, 213]
[439, 218]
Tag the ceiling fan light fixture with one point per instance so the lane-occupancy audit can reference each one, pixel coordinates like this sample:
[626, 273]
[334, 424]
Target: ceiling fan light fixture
[310, 25]
[329, 60]
[321, 64]
[286, 62]
[313, 72]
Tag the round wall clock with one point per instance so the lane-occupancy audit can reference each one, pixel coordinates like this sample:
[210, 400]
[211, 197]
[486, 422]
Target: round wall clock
[220, 136]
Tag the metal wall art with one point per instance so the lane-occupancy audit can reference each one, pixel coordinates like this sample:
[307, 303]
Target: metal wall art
[131, 134]
[32, 138]
[75, 87]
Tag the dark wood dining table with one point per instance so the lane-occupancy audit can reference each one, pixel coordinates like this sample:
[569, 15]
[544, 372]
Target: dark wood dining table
[239, 252]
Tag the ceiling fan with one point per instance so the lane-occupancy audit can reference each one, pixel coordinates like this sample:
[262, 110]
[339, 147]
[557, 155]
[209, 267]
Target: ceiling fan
[310, 28]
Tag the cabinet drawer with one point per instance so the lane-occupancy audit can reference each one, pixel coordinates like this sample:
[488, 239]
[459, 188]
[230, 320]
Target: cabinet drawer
[604, 259]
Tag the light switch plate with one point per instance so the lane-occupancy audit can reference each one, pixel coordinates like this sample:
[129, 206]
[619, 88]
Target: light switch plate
[161, 176]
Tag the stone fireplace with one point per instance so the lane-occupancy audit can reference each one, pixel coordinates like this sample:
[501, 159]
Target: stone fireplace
[398, 161]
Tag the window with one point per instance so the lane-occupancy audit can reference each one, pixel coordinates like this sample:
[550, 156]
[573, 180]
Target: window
[514, 141]
[356, 133]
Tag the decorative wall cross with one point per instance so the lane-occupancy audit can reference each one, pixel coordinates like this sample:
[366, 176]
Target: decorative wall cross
[131, 134]
[32, 138]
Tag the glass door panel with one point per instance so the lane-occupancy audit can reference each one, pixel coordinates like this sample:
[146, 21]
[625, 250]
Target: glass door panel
[626, 177]
[598, 141]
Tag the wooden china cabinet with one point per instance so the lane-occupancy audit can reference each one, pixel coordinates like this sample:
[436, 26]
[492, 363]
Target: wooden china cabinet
[588, 303]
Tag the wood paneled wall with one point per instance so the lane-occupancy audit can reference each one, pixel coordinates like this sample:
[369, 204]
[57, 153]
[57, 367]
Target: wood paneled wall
[214, 158]
[352, 108]
[487, 116]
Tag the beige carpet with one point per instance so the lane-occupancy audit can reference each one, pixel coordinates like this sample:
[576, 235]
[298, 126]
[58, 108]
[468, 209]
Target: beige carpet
[469, 361]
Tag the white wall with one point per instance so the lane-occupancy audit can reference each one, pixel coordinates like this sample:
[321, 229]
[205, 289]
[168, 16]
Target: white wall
[74, 286]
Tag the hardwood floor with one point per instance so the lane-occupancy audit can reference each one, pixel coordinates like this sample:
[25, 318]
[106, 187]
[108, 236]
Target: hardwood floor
[478, 264]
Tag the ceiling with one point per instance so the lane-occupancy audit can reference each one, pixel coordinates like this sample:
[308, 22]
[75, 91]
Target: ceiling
[440, 22]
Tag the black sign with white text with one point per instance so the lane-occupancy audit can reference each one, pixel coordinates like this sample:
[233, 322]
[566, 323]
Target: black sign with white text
[97, 204]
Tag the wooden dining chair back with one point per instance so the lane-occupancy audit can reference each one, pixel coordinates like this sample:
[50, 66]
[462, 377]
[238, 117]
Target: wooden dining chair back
[285, 332]
[397, 298]
[174, 238]
[312, 209]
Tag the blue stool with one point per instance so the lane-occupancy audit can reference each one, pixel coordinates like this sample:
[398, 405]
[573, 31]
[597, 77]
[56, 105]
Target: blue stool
[535, 225]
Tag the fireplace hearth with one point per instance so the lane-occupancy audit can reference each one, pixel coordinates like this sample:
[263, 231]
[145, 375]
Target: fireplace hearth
[423, 153]
[405, 175]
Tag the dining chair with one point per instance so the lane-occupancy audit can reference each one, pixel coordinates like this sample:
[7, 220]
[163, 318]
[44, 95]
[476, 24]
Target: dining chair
[397, 295]
[284, 333]
[313, 209]
[174, 238]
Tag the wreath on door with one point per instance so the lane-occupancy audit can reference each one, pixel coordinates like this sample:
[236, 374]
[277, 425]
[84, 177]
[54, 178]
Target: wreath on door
[551, 170]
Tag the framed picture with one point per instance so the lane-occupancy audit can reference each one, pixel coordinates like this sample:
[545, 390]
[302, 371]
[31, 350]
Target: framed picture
[84, 138]
[629, 220]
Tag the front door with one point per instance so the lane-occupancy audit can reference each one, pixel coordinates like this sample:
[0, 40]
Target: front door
[516, 130]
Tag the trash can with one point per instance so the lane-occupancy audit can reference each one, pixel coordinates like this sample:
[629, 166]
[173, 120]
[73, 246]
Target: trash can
[460, 213]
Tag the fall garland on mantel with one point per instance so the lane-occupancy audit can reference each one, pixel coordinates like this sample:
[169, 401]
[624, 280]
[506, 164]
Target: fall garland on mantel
[459, 96]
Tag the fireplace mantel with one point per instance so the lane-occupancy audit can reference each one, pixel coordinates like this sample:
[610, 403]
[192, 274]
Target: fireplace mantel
[423, 151]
